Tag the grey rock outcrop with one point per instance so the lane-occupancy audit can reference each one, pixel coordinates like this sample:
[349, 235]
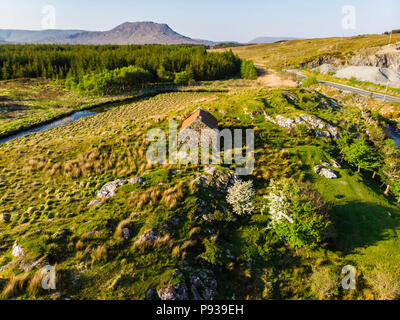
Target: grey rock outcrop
[174, 292]
[328, 173]
[215, 178]
[317, 169]
[136, 180]
[336, 164]
[147, 237]
[109, 189]
[126, 233]
[202, 287]
[17, 251]
[320, 127]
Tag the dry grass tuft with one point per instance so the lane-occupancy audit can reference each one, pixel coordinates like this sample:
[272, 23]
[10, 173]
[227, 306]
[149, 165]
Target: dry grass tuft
[99, 254]
[15, 284]
[172, 196]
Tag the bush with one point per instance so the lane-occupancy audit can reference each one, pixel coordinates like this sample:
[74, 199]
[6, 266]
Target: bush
[213, 253]
[309, 81]
[182, 78]
[308, 227]
[240, 197]
[384, 282]
[324, 282]
[110, 81]
[165, 75]
[296, 214]
[248, 70]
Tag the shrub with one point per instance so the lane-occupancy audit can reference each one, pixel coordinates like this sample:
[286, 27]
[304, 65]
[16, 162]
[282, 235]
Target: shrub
[240, 197]
[110, 81]
[384, 282]
[296, 216]
[279, 199]
[324, 282]
[212, 254]
[182, 78]
[309, 81]
[248, 70]
[307, 228]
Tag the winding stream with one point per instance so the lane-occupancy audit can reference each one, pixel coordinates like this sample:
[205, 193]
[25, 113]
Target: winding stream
[53, 124]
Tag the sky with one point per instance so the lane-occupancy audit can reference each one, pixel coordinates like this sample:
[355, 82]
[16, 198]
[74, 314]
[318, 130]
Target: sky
[216, 20]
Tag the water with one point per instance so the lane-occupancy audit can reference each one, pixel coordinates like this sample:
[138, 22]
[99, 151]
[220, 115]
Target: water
[395, 135]
[53, 124]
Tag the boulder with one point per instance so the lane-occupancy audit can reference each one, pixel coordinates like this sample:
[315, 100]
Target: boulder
[317, 169]
[336, 164]
[126, 233]
[202, 288]
[313, 122]
[136, 180]
[174, 292]
[320, 133]
[285, 122]
[209, 170]
[109, 189]
[94, 202]
[328, 173]
[150, 294]
[17, 251]
[148, 237]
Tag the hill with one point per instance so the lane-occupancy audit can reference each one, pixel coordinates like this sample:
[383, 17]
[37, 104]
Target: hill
[364, 50]
[126, 33]
[260, 40]
[28, 36]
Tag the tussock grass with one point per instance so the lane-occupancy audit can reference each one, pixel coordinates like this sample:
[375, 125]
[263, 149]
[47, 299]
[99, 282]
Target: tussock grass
[15, 285]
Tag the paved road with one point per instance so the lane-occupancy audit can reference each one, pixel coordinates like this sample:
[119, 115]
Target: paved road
[378, 96]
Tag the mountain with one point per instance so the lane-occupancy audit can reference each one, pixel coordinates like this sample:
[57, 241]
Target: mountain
[26, 36]
[126, 33]
[271, 39]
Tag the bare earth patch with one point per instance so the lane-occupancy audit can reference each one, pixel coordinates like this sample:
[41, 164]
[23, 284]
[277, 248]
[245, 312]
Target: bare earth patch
[272, 79]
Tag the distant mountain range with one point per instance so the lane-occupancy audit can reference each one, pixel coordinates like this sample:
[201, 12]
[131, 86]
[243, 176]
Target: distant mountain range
[126, 33]
[271, 39]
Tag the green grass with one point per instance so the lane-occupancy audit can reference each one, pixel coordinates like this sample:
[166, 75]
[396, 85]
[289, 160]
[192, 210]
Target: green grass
[47, 180]
[366, 234]
[298, 52]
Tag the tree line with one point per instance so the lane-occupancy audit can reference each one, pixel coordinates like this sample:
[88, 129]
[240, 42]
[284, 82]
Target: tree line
[381, 157]
[161, 61]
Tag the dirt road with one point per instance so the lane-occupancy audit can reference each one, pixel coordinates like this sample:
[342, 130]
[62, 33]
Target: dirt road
[271, 78]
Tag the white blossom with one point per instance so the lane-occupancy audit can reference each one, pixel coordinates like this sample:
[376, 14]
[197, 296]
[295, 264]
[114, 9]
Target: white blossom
[240, 197]
[278, 202]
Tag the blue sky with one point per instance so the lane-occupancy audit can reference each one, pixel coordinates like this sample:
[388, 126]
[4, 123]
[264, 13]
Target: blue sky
[210, 19]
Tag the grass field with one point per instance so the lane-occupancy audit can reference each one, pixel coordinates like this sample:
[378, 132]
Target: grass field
[296, 52]
[27, 102]
[47, 180]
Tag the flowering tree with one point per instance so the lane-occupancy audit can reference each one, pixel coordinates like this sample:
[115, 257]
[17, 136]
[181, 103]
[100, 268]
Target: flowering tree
[295, 214]
[279, 199]
[240, 197]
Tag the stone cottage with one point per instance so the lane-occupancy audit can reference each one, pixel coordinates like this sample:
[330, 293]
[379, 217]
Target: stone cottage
[199, 120]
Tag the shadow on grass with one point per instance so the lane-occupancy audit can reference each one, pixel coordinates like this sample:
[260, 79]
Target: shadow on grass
[360, 224]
